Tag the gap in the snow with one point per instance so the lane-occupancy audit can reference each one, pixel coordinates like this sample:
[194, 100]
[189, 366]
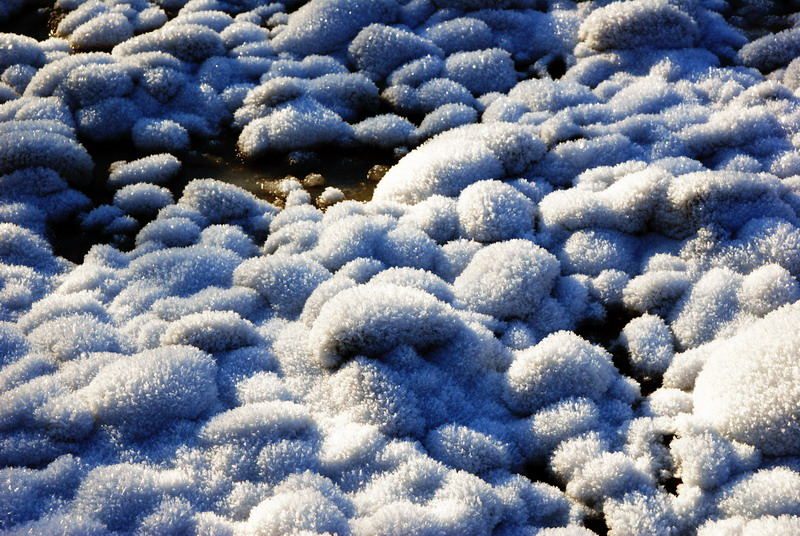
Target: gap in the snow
[36, 19]
[354, 171]
[345, 169]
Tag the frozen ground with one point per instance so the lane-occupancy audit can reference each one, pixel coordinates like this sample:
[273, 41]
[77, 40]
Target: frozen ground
[571, 307]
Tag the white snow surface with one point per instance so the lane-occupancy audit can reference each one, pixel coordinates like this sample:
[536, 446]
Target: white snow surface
[572, 303]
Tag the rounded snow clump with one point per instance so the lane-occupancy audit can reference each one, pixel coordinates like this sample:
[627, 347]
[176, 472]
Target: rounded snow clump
[144, 391]
[749, 388]
[40, 148]
[592, 251]
[221, 202]
[652, 23]
[740, 525]
[461, 34]
[373, 319]
[21, 247]
[767, 288]
[649, 344]
[492, 211]
[562, 365]
[452, 160]
[330, 196]
[378, 49]
[183, 271]
[212, 331]
[467, 449]
[323, 26]
[482, 71]
[156, 169]
[386, 130]
[285, 281]
[772, 50]
[159, 135]
[445, 117]
[507, 279]
[302, 123]
[415, 278]
[141, 200]
[102, 32]
[187, 42]
[768, 492]
[305, 511]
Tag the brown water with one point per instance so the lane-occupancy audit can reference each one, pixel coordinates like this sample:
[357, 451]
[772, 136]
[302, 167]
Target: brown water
[35, 19]
[346, 170]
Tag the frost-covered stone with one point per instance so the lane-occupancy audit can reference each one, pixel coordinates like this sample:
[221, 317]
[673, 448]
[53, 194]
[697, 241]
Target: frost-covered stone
[212, 331]
[378, 50]
[562, 365]
[305, 120]
[372, 320]
[156, 169]
[492, 211]
[649, 344]
[323, 26]
[482, 71]
[171, 382]
[285, 281]
[507, 279]
[625, 24]
[450, 162]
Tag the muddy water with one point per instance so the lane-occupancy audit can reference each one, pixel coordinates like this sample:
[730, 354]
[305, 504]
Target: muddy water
[36, 19]
[343, 169]
[346, 170]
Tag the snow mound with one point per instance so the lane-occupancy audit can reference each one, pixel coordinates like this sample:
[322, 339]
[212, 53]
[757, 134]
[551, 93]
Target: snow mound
[747, 389]
[373, 319]
[625, 24]
[561, 366]
[453, 160]
[507, 279]
[156, 169]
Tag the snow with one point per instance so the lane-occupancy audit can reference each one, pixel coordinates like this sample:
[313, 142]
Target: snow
[445, 117]
[453, 160]
[571, 302]
[439, 92]
[492, 211]
[330, 196]
[286, 282]
[168, 383]
[301, 119]
[649, 343]
[103, 31]
[155, 169]
[748, 394]
[323, 26]
[142, 199]
[371, 320]
[386, 130]
[159, 135]
[460, 34]
[507, 279]
[626, 24]
[482, 71]
[378, 49]
[562, 365]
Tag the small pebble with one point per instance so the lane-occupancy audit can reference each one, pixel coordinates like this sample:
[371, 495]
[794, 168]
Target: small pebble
[377, 172]
[330, 196]
[314, 180]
